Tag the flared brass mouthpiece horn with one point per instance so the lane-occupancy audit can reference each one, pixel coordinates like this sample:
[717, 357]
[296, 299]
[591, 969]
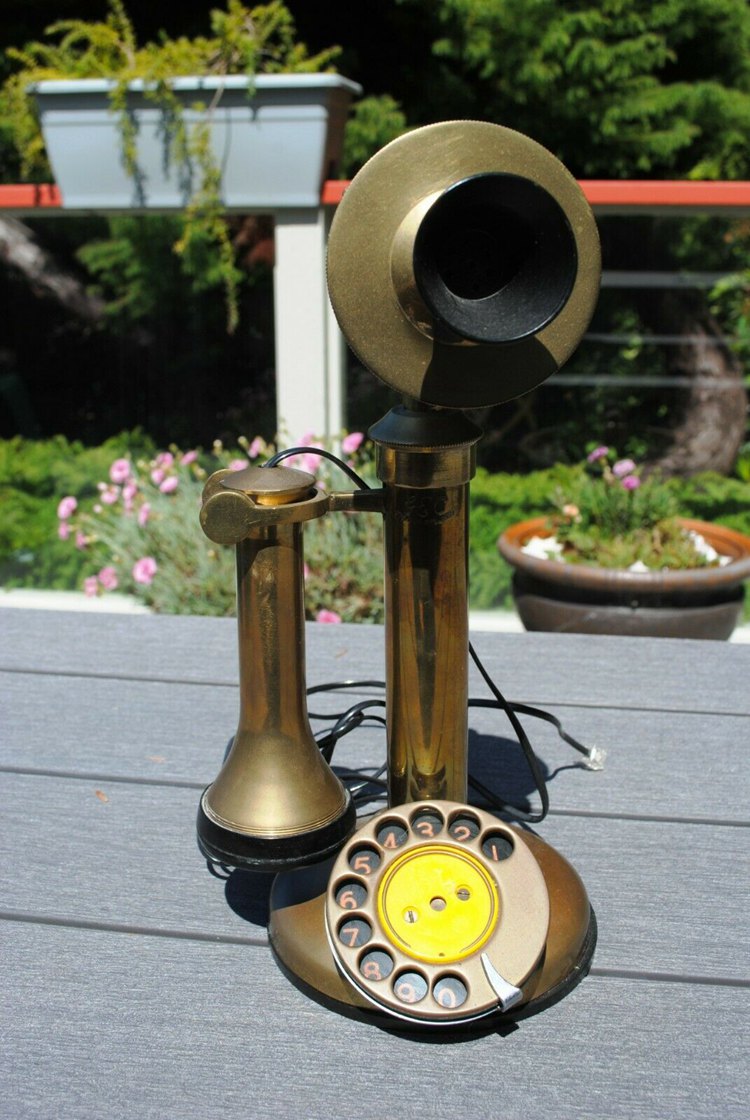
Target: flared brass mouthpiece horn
[463, 264]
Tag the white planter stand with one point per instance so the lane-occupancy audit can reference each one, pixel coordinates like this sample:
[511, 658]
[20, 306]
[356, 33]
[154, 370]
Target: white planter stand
[275, 150]
[310, 349]
[275, 141]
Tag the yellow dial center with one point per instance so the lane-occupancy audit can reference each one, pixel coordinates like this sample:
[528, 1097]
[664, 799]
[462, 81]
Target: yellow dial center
[437, 903]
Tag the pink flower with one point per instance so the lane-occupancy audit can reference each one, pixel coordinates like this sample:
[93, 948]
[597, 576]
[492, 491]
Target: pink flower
[238, 464]
[67, 508]
[143, 514]
[632, 482]
[81, 541]
[90, 586]
[596, 454]
[157, 476]
[164, 459]
[328, 616]
[351, 443]
[309, 463]
[63, 530]
[623, 467]
[129, 490]
[169, 485]
[120, 470]
[256, 447]
[110, 494]
[188, 458]
[305, 571]
[108, 578]
[144, 570]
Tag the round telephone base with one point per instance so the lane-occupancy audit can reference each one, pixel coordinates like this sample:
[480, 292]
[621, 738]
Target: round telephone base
[300, 944]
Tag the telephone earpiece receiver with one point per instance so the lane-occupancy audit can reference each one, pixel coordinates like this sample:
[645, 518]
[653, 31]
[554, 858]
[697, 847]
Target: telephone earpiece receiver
[276, 803]
[437, 913]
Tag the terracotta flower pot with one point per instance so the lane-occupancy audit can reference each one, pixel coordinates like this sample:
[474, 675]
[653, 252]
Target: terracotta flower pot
[695, 603]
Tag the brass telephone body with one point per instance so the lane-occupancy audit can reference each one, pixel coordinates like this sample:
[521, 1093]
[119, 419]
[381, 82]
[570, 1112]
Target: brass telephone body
[463, 267]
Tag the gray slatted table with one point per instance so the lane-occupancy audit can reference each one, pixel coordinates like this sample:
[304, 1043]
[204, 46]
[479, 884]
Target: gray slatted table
[138, 985]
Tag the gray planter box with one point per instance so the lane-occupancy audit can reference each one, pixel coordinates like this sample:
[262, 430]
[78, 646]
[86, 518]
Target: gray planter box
[275, 148]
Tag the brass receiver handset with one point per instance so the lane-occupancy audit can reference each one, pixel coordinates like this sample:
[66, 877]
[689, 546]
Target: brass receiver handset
[276, 802]
[463, 268]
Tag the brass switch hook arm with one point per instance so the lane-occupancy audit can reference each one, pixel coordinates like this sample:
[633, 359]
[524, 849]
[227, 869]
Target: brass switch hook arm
[357, 501]
[234, 502]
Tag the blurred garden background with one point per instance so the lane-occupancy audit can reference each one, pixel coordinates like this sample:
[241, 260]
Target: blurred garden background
[113, 349]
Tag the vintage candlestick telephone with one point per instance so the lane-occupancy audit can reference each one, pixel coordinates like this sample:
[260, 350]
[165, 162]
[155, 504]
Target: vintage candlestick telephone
[463, 267]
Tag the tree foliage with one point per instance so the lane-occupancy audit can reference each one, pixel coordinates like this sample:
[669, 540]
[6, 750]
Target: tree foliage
[374, 122]
[616, 89]
[243, 41]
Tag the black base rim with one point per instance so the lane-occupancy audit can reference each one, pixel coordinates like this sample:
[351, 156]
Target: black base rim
[254, 853]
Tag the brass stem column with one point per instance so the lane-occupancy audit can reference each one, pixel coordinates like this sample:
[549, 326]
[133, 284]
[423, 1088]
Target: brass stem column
[270, 624]
[425, 461]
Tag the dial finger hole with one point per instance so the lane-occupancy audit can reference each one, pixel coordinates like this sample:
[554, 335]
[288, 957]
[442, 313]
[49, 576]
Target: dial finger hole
[427, 824]
[464, 827]
[450, 992]
[410, 987]
[364, 860]
[391, 834]
[497, 846]
[354, 932]
[376, 965]
[351, 894]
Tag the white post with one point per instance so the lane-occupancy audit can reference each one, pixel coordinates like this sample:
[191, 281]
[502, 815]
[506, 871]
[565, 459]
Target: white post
[310, 352]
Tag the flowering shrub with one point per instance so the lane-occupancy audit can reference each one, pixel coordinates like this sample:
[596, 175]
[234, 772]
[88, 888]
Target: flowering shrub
[143, 536]
[612, 517]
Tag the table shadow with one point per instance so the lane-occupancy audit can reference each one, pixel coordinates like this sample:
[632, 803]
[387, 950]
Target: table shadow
[499, 764]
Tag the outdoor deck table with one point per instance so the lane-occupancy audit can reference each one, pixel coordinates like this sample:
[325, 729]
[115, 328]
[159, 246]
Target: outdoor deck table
[136, 984]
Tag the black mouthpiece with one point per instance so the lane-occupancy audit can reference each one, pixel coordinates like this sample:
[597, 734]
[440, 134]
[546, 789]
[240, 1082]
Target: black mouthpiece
[495, 259]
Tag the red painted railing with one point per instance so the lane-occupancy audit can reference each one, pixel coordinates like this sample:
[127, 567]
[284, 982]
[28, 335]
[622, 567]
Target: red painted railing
[613, 195]
[631, 194]
[669, 193]
[30, 196]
